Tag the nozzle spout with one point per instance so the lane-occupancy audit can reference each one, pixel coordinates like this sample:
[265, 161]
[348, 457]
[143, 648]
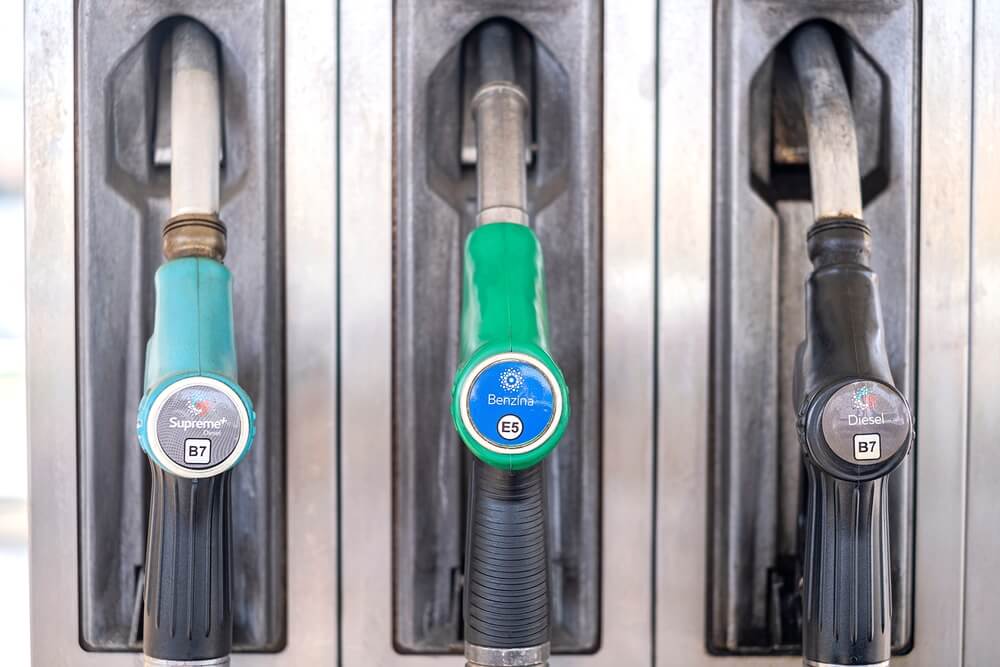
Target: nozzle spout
[194, 228]
[833, 144]
[196, 121]
[500, 108]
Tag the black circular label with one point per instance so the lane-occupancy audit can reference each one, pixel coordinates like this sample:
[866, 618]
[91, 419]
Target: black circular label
[866, 423]
[198, 426]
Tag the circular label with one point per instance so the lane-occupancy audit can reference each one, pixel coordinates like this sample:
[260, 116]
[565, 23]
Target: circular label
[198, 427]
[865, 423]
[511, 403]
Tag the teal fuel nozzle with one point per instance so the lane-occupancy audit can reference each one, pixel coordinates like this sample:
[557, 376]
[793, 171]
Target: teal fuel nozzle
[510, 402]
[194, 420]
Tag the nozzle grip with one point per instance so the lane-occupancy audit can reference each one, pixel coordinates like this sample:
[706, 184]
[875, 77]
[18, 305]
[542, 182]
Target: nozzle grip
[188, 606]
[506, 584]
[846, 591]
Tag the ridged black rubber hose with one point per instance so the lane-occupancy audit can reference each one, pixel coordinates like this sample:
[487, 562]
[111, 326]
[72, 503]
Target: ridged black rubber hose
[846, 594]
[188, 602]
[506, 582]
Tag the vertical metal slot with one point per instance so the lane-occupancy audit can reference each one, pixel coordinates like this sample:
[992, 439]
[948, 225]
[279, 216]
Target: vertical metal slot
[763, 211]
[438, 70]
[123, 198]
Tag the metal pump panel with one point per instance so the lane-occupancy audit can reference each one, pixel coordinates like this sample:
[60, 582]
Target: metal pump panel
[668, 182]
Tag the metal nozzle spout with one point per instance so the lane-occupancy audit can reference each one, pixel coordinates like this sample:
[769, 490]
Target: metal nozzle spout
[500, 108]
[194, 228]
[833, 143]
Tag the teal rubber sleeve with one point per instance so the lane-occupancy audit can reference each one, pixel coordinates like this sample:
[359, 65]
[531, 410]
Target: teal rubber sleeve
[192, 333]
[193, 330]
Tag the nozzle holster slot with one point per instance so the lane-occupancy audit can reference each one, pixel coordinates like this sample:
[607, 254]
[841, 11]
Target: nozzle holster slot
[123, 195]
[763, 239]
[437, 74]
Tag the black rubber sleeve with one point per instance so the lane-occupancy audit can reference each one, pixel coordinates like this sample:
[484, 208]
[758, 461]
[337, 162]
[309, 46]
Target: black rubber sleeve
[188, 606]
[506, 582]
[846, 596]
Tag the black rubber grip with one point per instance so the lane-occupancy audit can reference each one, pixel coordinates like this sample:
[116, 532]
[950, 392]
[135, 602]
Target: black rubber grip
[846, 597]
[188, 606]
[506, 577]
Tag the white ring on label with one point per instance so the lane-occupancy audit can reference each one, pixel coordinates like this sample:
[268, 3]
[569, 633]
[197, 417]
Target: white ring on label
[168, 463]
[463, 397]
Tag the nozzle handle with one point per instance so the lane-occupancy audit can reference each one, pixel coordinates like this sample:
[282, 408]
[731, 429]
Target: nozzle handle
[846, 585]
[188, 607]
[855, 428]
[506, 587]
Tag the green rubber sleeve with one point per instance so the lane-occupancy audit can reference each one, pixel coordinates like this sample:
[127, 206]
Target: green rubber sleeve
[503, 312]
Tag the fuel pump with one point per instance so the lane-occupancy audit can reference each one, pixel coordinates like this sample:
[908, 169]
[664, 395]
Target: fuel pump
[194, 421]
[855, 427]
[510, 402]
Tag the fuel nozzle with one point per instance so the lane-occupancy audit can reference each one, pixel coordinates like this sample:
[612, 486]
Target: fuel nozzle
[194, 421]
[855, 426]
[510, 403]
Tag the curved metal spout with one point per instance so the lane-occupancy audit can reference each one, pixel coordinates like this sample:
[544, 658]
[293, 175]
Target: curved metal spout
[500, 108]
[833, 144]
[196, 121]
[194, 228]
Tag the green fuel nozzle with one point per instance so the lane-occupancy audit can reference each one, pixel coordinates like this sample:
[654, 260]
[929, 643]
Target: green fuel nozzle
[510, 403]
[194, 422]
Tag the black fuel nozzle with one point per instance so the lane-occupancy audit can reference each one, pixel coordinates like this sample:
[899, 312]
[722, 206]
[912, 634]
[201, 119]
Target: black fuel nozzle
[855, 428]
[854, 425]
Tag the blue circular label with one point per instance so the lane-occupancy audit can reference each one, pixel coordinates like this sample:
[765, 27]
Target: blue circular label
[511, 403]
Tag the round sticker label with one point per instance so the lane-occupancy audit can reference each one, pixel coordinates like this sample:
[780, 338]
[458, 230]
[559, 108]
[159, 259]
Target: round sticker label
[865, 423]
[511, 403]
[198, 426]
